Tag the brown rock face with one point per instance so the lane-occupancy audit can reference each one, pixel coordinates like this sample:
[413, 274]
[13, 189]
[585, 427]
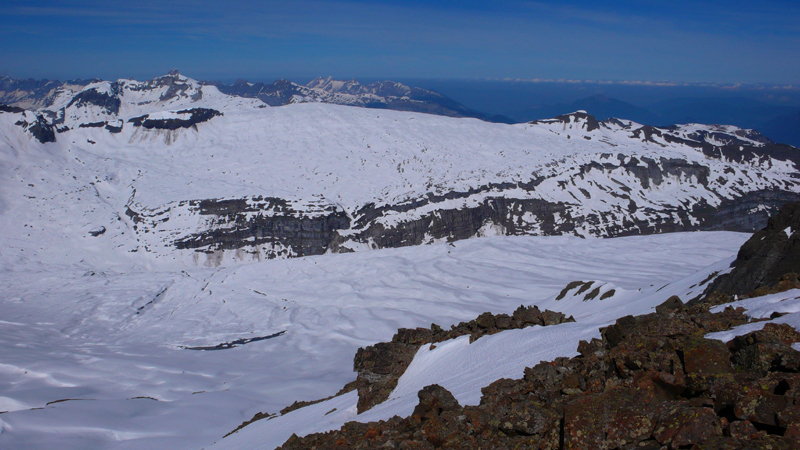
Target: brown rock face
[767, 350]
[706, 357]
[609, 419]
[680, 424]
[379, 367]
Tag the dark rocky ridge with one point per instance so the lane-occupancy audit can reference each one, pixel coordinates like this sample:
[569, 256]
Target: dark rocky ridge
[110, 102]
[766, 257]
[239, 223]
[651, 382]
[10, 109]
[241, 226]
[380, 366]
[196, 115]
[40, 129]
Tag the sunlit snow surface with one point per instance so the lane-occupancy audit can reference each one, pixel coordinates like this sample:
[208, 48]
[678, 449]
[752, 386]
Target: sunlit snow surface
[787, 303]
[104, 338]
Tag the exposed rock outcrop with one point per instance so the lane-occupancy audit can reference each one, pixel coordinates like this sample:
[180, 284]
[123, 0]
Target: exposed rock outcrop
[234, 224]
[766, 258]
[652, 382]
[43, 131]
[108, 101]
[195, 116]
[380, 366]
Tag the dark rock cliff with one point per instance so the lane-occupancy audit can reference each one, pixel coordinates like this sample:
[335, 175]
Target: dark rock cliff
[767, 256]
[245, 224]
[40, 129]
[249, 223]
[110, 102]
[195, 116]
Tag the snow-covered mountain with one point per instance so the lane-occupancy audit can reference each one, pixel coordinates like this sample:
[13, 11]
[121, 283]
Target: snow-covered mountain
[172, 168]
[42, 94]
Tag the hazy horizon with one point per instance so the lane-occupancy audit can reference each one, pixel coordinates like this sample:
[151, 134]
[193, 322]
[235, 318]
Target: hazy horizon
[708, 41]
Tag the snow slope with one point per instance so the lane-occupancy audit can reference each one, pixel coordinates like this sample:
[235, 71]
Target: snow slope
[111, 340]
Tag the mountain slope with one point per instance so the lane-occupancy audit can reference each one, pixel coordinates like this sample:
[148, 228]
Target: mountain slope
[173, 169]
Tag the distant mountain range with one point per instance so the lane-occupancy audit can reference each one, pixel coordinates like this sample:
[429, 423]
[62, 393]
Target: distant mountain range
[37, 94]
[779, 123]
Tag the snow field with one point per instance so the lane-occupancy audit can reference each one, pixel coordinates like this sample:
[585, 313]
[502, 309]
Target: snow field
[105, 337]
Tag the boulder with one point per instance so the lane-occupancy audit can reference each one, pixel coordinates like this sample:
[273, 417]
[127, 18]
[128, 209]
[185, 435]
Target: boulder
[672, 304]
[433, 400]
[706, 357]
[680, 424]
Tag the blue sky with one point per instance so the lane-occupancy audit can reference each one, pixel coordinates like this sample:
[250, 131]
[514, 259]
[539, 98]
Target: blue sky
[700, 41]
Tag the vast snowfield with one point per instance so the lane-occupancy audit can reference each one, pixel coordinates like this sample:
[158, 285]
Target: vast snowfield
[110, 342]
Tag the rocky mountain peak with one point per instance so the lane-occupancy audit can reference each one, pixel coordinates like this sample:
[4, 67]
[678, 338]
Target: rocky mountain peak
[580, 119]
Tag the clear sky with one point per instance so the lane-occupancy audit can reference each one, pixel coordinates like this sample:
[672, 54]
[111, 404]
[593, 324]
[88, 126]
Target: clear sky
[689, 41]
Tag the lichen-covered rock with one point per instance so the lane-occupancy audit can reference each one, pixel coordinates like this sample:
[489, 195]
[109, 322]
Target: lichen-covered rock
[379, 367]
[673, 303]
[767, 350]
[759, 407]
[680, 424]
[433, 400]
[706, 357]
[610, 419]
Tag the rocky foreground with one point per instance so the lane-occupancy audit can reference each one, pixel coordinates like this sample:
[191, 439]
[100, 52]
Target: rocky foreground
[651, 382]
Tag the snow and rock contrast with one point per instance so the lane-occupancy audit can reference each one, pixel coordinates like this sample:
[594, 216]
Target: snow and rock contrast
[176, 169]
[177, 261]
[659, 380]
